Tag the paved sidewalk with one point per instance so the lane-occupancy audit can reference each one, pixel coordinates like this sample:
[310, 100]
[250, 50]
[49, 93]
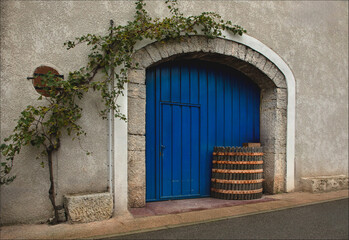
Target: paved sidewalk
[129, 224]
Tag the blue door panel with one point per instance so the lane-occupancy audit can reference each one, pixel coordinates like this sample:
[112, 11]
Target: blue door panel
[193, 106]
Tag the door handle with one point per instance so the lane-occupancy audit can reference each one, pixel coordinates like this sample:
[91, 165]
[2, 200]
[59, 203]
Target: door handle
[162, 147]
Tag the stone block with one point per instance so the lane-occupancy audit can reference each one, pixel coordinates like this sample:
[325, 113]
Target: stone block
[136, 76]
[84, 208]
[279, 80]
[171, 50]
[184, 45]
[257, 58]
[162, 48]
[274, 98]
[153, 53]
[202, 44]
[229, 48]
[219, 45]
[142, 57]
[174, 47]
[260, 61]
[250, 56]
[136, 178]
[268, 172]
[241, 52]
[136, 116]
[268, 94]
[279, 184]
[211, 44]
[136, 143]
[274, 172]
[195, 43]
[136, 197]
[270, 70]
[273, 145]
[136, 169]
[281, 124]
[269, 105]
[268, 124]
[324, 183]
[281, 95]
[178, 46]
[280, 165]
[136, 90]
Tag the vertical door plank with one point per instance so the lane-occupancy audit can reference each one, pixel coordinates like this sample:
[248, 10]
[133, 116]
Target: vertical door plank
[236, 112]
[256, 120]
[175, 83]
[158, 162]
[243, 113]
[227, 109]
[220, 106]
[205, 159]
[165, 84]
[185, 84]
[176, 150]
[166, 159]
[150, 129]
[195, 153]
[249, 111]
[194, 84]
[186, 145]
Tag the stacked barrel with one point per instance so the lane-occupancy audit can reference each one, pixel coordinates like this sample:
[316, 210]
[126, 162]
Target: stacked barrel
[237, 173]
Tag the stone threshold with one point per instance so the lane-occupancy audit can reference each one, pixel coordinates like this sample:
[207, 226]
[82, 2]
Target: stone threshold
[190, 205]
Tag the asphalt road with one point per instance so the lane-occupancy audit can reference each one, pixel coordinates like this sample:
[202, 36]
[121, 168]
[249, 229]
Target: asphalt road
[319, 221]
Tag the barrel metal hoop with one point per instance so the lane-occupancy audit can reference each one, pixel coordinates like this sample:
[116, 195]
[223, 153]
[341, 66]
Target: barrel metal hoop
[237, 192]
[237, 154]
[237, 171]
[236, 181]
[237, 162]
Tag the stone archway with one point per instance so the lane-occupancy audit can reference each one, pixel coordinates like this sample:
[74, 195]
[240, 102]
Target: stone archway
[273, 114]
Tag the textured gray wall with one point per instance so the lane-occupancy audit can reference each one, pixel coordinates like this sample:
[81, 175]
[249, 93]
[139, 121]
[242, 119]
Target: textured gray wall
[312, 38]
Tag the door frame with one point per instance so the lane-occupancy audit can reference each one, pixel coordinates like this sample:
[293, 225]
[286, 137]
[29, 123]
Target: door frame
[245, 54]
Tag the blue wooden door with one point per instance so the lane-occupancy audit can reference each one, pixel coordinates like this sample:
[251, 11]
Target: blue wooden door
[193, 106]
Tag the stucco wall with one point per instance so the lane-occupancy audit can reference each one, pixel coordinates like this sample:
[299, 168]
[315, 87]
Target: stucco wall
[311, 37]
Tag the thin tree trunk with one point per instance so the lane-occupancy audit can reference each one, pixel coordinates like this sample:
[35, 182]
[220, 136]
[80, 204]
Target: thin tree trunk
[52, 194]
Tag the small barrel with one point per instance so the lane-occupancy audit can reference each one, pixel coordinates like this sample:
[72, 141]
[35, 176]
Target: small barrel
[237, 173]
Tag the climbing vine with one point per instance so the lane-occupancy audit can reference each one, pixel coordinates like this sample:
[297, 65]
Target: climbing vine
[42, 126]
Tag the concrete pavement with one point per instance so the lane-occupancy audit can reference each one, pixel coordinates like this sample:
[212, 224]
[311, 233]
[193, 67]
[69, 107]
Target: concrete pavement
[130, 224]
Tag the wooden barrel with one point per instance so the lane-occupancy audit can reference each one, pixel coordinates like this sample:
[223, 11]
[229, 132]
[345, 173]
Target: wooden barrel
[237, 173]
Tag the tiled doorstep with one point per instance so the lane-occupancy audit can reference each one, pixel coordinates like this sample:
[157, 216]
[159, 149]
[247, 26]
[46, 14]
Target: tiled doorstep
[129, 224]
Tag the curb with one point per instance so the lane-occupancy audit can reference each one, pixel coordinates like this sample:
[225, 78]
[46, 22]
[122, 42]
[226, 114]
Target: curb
[119, 226]
[212, 220]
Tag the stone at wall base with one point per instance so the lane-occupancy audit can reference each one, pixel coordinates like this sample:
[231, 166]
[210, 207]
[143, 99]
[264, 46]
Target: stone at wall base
[324, 183]
[83, 208]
